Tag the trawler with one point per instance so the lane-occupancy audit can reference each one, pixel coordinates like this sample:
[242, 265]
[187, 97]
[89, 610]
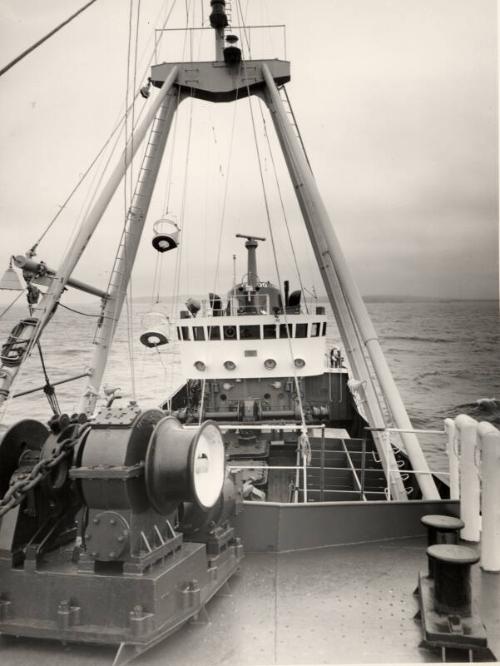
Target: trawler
[273, 508]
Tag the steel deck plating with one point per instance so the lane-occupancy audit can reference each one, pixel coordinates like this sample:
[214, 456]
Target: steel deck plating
[340, 604]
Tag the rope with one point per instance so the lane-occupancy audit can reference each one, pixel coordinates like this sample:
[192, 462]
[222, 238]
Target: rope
[48, 389]
[29, 50]
[84, 314]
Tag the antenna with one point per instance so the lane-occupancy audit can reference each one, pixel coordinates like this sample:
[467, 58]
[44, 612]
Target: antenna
[251, 246]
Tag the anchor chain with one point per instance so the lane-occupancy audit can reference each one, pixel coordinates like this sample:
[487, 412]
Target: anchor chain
[25, 482]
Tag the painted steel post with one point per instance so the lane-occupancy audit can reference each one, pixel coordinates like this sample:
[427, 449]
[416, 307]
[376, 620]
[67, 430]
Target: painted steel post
[136, 218]
[453, 458]
[489, 439]
[46, 308]
[369, 406]
[469, 478]
[327, 249]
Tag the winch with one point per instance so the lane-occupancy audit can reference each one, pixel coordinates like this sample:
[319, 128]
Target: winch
[92, 520]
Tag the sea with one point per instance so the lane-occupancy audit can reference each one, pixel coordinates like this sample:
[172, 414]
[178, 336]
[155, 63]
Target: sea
[444, 355]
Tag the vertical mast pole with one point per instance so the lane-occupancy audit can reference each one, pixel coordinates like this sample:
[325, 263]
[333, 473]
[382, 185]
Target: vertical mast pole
[46, 308]
[136, 218]
[326, 246]
[219, 22]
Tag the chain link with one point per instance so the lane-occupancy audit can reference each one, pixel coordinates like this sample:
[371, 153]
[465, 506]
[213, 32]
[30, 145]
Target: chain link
[25, 482]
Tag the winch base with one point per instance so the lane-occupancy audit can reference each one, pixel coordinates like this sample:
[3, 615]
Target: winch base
[58, 601]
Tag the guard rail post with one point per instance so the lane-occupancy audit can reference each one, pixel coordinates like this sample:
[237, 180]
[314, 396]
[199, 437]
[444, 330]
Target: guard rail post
[489, 438]
[469, 477]
[453, 458]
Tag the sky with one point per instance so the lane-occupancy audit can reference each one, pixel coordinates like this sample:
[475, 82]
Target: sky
[396, 101]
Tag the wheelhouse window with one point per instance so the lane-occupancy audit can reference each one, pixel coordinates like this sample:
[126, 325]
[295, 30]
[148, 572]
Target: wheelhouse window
[214, 332]
[185, 333]
[229, 332]
[301, 330]
[283, 333]
[316, 329]
[269, 331]
[198, 333]
[324, 328]
[250, 332]
[179, 334]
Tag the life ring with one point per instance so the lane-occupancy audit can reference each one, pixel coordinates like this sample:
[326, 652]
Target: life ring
[153, 339]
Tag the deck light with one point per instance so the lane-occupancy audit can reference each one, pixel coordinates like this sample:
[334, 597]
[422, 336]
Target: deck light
[299, 363]
[10, 279]
[199, 365]
[229, 365]
[270, 363]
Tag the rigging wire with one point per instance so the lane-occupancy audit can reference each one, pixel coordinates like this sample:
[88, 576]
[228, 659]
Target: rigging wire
[282, 204]
[178, 259]
[128, 201]
[273, 245]
[183, 208]
[117, 127]
[224, 199]
[30, 49]
[4, 312]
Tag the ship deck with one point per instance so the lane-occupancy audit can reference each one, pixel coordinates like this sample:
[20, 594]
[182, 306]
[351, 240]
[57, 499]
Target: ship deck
[338, 604]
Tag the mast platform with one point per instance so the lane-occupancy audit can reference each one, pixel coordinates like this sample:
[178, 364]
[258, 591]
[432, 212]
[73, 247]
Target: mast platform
[216, 82]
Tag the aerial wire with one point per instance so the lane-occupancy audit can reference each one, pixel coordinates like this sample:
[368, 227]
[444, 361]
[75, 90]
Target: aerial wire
[30, 49]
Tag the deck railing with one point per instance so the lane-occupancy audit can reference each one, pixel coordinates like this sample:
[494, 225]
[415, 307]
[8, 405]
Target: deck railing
[473, 452]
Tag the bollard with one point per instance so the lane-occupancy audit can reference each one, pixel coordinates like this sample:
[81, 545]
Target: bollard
[440, 529]
[453, 458]
[469, 477]
[489, 438]
[452, 587]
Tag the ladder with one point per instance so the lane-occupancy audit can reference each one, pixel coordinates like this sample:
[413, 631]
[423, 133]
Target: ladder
[293, 122]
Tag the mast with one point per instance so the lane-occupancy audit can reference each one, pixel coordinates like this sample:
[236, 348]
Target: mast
[339, 281]
[219, 22]
[136, 219]
[45, 309]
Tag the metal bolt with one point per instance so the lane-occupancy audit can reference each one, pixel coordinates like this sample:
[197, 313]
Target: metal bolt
[112, 521]
[88, 536]
[96, 521]
[121, 538]
[94, 553]
[112, 554]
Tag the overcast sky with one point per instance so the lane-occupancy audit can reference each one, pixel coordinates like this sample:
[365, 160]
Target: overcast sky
[397, 105]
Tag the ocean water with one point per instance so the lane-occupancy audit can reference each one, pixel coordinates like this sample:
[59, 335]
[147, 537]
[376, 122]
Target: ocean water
[445, 357]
